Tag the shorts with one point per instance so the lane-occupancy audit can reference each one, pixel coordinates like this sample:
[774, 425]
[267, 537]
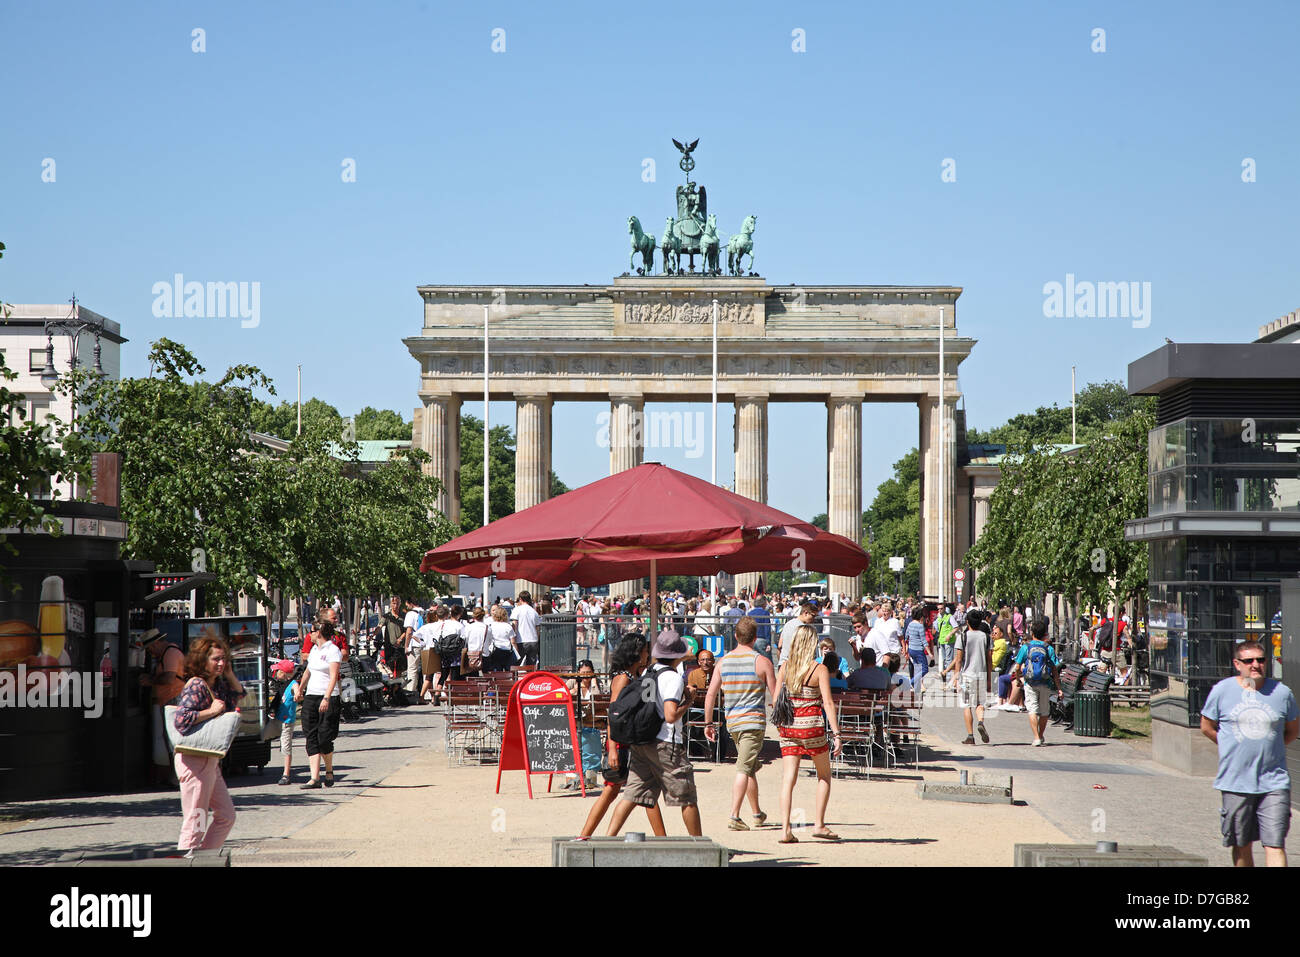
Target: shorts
[660, 768]
[1038, 699]
[749, 744]
[1247, 818]
[972, 691]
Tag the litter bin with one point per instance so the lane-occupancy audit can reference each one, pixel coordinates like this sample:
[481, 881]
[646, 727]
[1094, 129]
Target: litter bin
[1092, 714]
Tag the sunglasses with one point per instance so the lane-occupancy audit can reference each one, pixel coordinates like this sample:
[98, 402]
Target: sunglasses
[1251, 661]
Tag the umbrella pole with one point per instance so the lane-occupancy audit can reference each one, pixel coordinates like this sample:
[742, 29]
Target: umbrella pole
[654, 600]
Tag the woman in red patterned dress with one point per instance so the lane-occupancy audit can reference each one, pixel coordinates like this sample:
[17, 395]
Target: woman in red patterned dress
[808, 684]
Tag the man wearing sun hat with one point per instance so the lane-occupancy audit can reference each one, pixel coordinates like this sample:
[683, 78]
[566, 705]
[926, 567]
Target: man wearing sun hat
[662, 767]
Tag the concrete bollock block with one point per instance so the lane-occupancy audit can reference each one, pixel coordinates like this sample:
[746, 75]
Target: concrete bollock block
[1087, 855]
[964, 793]
[651, 852]
[143, 857]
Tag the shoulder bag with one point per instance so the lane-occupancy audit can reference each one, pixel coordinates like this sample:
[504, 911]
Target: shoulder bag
[209, 739]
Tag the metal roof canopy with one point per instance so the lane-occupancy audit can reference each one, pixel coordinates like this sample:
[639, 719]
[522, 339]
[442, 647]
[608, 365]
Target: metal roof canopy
[1178, 362]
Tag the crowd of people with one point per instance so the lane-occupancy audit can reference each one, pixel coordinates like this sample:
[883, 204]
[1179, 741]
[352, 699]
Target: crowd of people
[780, 653]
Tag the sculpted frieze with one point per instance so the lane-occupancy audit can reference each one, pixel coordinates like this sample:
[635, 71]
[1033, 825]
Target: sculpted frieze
[689, 311]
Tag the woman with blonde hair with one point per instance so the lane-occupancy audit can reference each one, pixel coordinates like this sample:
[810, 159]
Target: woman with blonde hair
[808, 685]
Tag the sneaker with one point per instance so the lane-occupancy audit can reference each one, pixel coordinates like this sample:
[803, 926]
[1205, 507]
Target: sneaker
[984, 735]
[1038, 743]
[760, 819]
[736, 824]
[970, 739]
[284, 779]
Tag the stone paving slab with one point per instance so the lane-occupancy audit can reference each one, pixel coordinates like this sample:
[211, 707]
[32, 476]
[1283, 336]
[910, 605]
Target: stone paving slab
[397, 802]
[367, 751]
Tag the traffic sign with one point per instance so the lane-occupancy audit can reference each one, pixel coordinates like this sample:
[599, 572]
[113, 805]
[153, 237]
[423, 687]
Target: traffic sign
[959, 575]
[896, 563]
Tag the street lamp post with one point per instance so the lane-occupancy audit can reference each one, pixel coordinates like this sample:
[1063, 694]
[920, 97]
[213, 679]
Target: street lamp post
[72, 327]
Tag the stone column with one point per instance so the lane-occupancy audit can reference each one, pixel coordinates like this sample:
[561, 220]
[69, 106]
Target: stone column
[844, 480]
[751, 464]
[626, 451]
[937, 495]
[532, 464]
[981, 516]
[440, 437]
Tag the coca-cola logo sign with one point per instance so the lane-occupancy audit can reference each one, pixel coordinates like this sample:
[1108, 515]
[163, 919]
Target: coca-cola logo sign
[537, 686]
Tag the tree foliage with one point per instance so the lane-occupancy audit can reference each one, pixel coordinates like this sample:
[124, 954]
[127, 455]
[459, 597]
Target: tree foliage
[381, 425]
[501, 470]
[1056, 521]
[319, 420]
[1098, 404]
[304, 521]
[892, 526]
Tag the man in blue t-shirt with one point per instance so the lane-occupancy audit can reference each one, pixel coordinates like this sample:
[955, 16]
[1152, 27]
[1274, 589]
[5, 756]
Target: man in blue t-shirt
[1252, 718]
[1039, 689]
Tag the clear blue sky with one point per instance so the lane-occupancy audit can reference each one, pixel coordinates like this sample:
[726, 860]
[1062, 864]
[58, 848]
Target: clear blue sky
[522, 166]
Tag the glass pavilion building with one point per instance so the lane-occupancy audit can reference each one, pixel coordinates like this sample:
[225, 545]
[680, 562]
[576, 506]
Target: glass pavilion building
[1223, 523]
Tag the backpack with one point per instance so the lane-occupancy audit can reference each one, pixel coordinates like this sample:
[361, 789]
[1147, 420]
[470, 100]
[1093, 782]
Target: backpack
[449, 645]
[1038, 664]
[633, 717]
[1104, 633]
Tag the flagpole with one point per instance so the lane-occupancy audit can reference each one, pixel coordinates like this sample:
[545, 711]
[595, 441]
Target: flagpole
[943, 477]
[713, 580]
[486, 512]
[1073, 438]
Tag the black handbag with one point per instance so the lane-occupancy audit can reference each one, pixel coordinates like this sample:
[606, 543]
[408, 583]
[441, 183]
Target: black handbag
[783, 708]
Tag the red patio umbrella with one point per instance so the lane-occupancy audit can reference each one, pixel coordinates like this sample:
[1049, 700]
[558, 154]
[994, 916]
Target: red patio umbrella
[641, 522]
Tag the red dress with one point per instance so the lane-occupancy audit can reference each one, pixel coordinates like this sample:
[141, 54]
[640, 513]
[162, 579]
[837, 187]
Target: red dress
[807, 736]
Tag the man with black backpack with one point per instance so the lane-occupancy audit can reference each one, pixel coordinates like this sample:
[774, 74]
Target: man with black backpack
[1036, 663]
[658, 762]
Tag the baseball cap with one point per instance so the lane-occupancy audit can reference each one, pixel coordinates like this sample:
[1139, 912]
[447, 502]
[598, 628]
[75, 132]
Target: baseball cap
[669, 644]
[285, 666]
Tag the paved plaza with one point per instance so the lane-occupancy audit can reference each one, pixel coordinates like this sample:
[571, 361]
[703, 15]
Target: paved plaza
[398, 803]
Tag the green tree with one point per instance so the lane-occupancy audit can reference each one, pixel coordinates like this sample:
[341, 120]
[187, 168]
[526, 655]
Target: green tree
[1098, 404]
[502, 471]
[381, 424]
[185, 458]
[892, 526]
[1056, 521]
[319, 419]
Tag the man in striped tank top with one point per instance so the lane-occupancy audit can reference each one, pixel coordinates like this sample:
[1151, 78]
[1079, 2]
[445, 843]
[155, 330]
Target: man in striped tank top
[744, 678]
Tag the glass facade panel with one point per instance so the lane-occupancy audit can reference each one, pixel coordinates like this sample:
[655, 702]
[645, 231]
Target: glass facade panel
[1224, 465]
[1206, 595]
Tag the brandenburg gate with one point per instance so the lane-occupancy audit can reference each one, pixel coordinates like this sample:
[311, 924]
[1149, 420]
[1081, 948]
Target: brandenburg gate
[648, 338]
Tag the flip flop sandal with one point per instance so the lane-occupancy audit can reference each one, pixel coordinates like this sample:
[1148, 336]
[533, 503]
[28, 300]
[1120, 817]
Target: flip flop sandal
[789, 840]
[827, 835]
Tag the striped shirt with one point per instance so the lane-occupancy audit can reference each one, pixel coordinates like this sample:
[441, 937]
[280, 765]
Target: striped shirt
[744, 693]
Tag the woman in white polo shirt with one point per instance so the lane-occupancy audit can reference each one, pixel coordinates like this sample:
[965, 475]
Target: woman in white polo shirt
[320, 698]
